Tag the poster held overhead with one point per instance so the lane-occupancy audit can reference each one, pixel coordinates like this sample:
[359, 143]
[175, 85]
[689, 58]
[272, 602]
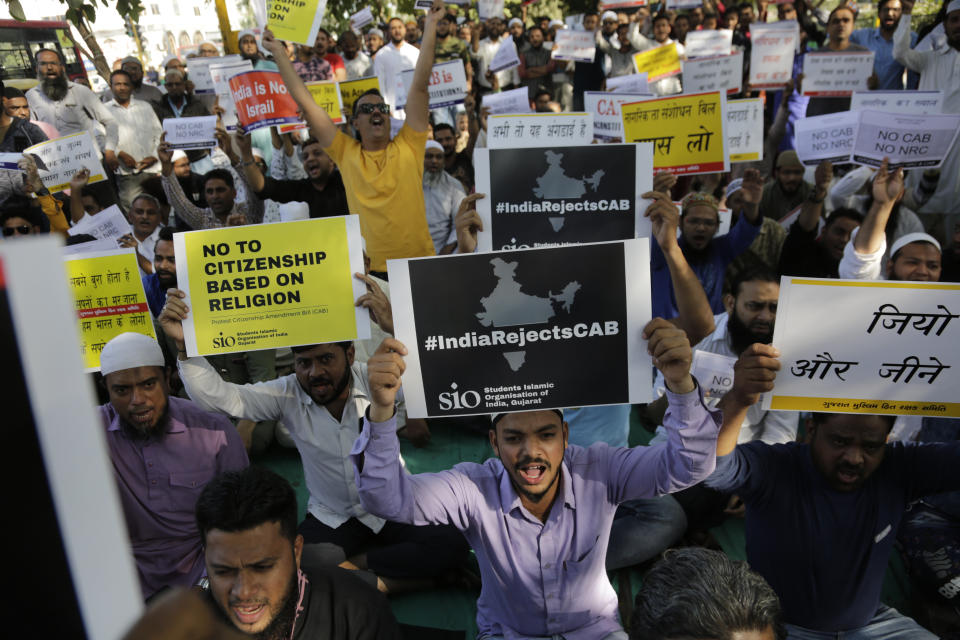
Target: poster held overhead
[296, 20]
[262, 100]
[828, 137]
[720, 73]
[836, 74]
[771, 54]
[59, 159]
[743, 128]
[909, 141]
[196, 132]
[605, 108]
[539, 130]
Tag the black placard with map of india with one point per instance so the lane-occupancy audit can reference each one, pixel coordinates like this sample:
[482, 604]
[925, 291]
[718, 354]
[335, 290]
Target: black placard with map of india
[524, 329]
[555, 196]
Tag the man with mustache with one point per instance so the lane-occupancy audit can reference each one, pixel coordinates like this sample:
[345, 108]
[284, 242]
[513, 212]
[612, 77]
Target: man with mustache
[880, 40]
[164, 274]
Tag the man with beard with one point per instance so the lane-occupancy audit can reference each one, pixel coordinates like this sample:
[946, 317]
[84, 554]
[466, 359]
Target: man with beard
[250, 50]
[374, 40]
[70, 107]
[538, 516]
[321, 403]
[258, 581]
[787, 190]
[483, 52]
[164, 450]
[880, 41]
[442, 194]
[164, 274]
[536, 65]
[322, 189]
[355, 61]
[822, 518]
[458, 165]
[397, 56]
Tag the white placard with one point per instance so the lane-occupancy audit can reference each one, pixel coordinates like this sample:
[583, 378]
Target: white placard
[719, 73]
[909, 141]
[539, 130]
[714, 372]
[744, 129]
[605, 108]
[882, 348]
[910, 102]
[575, 45]
[199, 72]
[9, 161]
[836, 74]
[574, 22]
[630, 83]
[708, 42]
[447, 86]
[361, 19]
[221, 74]
[771, 53]
[59, 159]
[110, 224]
[828, 137]
[191, 133]
[490, 9]
[506, 56]
[684, 4]
[513, 101]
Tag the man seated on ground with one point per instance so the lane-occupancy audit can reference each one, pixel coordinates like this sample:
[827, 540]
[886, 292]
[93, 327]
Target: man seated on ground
[164, 450]
[257, 581]
[822, 518]
[321, 404]
[787, 190]
[538, 516]
[701, 593]
[442, 194]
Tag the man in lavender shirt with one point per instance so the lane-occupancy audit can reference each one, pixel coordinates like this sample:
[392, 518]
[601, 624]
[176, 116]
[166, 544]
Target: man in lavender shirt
[538, 516]
[164, 451]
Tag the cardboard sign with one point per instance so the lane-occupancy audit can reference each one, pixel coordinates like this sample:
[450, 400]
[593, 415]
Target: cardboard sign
[197, 132]
[525, 314]
[110, 224]
[327, 95]
[744, 129]
[836, 74]
[447, 86]
[708, 43]
[59, 159]
[686, 131]
[199, 72]
[771, 54]
[506, 56]
[539, 130]
[684, 4]
[10, 161]
[221, 74]
[553, 195]
[272, 285]
[721, 73]
[262, 100]
[513, 101]
[490, 9]
[109, 299]
[630, 83]
[580, 46]
[361, 19]
[661, 62]
[828, 137]
[909, 141]
[353, 89]
[909, 102]
[714, 372]
[884, 347]
[621, 4]
[605, 108]
[296, 20]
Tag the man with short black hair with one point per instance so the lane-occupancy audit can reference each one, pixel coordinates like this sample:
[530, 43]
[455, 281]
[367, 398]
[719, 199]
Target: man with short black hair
[391, 60]
[138, 135]
[164, 274]
[442, 194]
[661, 37]
[141, 91]
[459, 165]
[788, 190]
[355, 61]
[880, 40]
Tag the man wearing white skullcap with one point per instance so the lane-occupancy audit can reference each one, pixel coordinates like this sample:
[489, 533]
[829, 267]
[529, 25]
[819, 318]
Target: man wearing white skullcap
[250, 50]
[442, 194]
[164, 450]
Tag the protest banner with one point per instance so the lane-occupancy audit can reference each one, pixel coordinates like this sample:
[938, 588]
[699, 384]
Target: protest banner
[714, 372]
[327, 95]
[447, 86]
[884, 347]
[621, 4]
[771, 54]
[59, 159]
[109, 299]
[605, 108]
[630, 83]
[221, 74]
[110, 224]
[911, 102]
[361, 19]
[828, 137]
[353, 89]
[908, 141]
[694, 121]
[658, 63]
[513, 101]
[199, 72]
[580, 46]
[556, 195]
[423, 5]
[683, 4]
[505, 57]
[744, 129]
[296, 20]
[272, 285]
[836, 74]
[195, 132]
[10, 161]
[539, 130]
[708, 43]
[501, 344]
[262, 100]
[719, 73]
[489, 9]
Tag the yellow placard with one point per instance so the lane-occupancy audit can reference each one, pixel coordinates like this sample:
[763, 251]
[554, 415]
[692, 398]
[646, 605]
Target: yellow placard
[64, 39]
[686, 131]
[658, 63]
[353, 89]
[109, 299]
[327, 95]
[271, 285]
[295, 20]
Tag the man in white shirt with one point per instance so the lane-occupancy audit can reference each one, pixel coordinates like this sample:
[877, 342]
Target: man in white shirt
[483, 51]
[357, 63]
[442, 194]
[138, 136]
[661, 37]
[399, 55]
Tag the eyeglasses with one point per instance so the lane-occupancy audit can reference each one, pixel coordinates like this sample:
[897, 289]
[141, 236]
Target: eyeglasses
[369, 107]
[23, 230]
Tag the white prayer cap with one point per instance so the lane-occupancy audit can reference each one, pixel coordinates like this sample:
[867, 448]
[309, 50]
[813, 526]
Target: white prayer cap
[129, 351]
[433, 144]
[375, 32]
[246, 32]
[556, 23]
[609, 15]
[910, 238]
[256, 153]
[178, 155]
[290, 211]
[953, 6]
[168, 60]
[733, 187]
[514, 21]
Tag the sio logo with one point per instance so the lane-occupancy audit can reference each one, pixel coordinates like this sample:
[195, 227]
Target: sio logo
[224, 341]
[462, 400]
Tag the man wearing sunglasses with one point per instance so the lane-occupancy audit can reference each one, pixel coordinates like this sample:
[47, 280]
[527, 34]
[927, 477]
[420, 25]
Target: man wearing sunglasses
[19, 221]
[383, 177]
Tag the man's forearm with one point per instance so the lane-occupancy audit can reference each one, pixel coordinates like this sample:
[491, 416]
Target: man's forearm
[694, 314]
[872, 229]
[734, 413]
